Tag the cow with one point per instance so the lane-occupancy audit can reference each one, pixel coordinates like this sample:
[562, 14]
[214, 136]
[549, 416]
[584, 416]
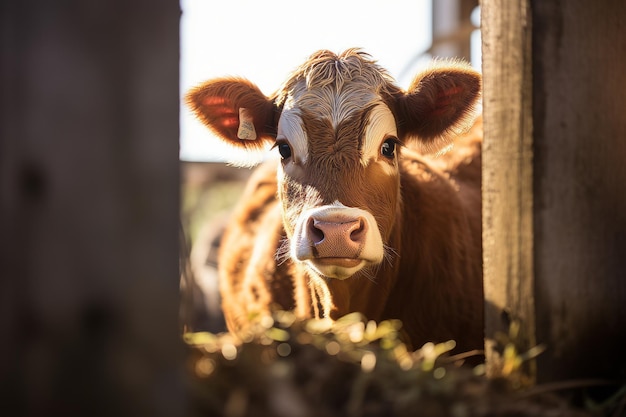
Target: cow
[375, 203]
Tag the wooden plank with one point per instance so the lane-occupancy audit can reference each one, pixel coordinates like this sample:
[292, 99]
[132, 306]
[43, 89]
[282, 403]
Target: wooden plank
[579, 62]
[555, 183]
[507, 174]
[89, 196]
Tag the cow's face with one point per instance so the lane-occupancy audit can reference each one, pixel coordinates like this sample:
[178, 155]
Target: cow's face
[337, 124]
[338, 177]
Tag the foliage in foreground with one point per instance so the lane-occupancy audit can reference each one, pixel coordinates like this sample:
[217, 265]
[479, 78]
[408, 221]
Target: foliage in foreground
[287, 368]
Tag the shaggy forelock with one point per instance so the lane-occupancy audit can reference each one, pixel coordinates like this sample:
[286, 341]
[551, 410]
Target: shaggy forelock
[327, 69]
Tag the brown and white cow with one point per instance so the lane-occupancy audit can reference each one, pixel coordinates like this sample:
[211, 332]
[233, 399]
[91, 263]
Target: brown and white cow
[352, 219]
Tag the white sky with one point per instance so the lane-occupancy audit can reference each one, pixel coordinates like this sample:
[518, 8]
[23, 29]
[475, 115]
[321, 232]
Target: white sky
[265, 40]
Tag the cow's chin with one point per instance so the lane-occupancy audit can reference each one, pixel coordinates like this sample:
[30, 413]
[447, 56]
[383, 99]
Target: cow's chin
[336, 268]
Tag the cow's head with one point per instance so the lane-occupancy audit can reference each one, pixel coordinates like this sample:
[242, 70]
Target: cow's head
[338, 124]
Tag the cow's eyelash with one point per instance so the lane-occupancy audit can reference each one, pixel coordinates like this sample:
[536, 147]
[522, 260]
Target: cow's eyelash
[276, 143]
[284, 148]
[397, 141]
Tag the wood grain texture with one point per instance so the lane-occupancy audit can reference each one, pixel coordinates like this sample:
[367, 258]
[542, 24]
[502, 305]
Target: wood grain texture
[555, 182]
[579, 98]
[89, 208]
[507, 172]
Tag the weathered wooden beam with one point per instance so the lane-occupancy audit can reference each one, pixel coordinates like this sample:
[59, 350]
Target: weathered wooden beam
[579, 99]
[89, 181]
[507, 171]
[555, 183]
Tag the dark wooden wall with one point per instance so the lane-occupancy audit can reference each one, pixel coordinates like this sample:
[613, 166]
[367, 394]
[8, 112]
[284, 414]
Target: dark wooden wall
[89, 199]
[555, 181]
[579, 100]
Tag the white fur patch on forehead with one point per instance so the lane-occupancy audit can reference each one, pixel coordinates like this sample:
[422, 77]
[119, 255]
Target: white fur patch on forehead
[333, 103]
[352, 100]
[381, 125]
[335, 86]
[291, 129]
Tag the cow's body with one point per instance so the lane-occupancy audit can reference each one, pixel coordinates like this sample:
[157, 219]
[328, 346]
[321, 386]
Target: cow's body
[346, 222]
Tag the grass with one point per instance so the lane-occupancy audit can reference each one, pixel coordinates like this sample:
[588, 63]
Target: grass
[353, 367]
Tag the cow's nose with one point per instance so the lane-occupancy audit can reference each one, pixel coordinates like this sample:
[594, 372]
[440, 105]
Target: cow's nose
[341, 238]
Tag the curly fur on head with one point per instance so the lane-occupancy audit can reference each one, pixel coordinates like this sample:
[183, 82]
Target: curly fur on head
[324, 68]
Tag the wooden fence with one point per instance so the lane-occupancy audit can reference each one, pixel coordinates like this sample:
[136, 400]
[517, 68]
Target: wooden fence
[554, 182]
[89, 180]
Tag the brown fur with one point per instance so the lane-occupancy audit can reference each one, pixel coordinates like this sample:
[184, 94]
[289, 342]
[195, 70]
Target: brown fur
[438, 289]
[427, 208]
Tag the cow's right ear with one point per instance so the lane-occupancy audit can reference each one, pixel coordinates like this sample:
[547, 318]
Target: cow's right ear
[440, 103]
[236, 110]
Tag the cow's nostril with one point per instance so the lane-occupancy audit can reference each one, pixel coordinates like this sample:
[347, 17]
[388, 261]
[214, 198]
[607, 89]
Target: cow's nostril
[358, 233]
[316, 234]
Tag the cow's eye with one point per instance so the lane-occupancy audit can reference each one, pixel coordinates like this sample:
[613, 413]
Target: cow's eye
[284, 150]
[388, 148]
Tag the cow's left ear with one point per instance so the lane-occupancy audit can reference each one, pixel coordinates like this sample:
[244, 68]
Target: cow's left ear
[236, 110]
[441, 101]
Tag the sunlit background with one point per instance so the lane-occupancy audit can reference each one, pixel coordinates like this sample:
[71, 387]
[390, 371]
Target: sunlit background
[265, 40]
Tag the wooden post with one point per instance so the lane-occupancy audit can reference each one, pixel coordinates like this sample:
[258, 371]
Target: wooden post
[89, 208]
[508, 171]
[579, 99]
[555, 182]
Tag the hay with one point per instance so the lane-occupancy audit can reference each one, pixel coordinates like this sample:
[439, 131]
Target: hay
[289, 368]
